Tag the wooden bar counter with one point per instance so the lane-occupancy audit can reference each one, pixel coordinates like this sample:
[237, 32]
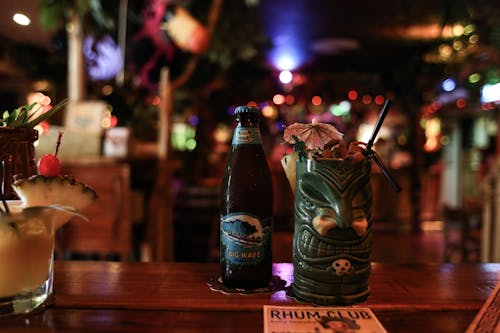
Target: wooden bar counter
[174, 297]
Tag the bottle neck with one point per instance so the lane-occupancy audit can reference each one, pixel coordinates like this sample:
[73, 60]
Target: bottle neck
[248, 120]
[247, 132]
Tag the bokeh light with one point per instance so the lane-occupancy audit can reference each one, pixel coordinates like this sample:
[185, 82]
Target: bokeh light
[341, 109]
[286, 61]
[289, 99]
[449, 85]
[285, 77]
[474, 78]
[269, 111]
[379, 99]
[352, 95]
[366, 99]
[458, 30]
[194, 120]
[473, 39]
[461, 103]
[156, 100]
[21, 19]
[316, 100]
[278, 99]
[469, 28]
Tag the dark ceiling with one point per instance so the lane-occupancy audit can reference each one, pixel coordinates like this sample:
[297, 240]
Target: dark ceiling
[325, 35]
[312, 29]
[359, 33]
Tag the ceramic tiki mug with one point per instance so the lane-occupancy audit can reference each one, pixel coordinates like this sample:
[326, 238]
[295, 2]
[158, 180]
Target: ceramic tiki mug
[332, 237]
[17, 156]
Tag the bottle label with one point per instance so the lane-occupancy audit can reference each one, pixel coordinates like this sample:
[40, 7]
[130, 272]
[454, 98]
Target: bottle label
[245, 238]
[246, 135]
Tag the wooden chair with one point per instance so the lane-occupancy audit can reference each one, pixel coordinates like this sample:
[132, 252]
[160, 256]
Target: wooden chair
[108, 233]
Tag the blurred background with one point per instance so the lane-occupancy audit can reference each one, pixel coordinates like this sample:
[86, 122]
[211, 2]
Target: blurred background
[153, 84]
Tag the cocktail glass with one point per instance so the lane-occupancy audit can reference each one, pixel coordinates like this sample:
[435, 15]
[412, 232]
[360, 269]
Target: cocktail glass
[26, 260]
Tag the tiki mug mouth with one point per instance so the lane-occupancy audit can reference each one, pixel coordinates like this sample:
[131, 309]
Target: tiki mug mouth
[328, 272]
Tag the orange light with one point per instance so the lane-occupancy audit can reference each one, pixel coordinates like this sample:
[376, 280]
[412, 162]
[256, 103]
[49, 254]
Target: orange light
[289, 99]
[269, 111]
[379, 100]
[435, 106]
[278, 99]
[156, 100]
[461, 103]
[114, 121]
[252, 103]
[352, 95]
[366, 99]
[316, 100]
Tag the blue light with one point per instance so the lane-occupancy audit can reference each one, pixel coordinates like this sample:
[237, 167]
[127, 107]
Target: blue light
[280, 125]
[286, 62]
[283, 25]
[287, 58]
[490, 93]
[448, 85]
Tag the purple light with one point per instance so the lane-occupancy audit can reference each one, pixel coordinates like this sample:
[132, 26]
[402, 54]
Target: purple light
[289, 50]
[280, 125]
[194, 120]
[104, 57]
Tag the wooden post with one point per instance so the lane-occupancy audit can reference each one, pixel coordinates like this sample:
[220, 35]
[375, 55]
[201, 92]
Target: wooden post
[122, 39]
[161, 229]
[161, 206]
[75, 59]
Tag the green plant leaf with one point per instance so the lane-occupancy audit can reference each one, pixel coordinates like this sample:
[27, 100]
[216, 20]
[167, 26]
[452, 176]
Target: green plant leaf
[299, 147]
[21, 116]
[46, 115]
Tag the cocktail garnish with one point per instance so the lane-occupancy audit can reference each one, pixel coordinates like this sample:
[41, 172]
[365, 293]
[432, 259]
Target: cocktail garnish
[49, 165]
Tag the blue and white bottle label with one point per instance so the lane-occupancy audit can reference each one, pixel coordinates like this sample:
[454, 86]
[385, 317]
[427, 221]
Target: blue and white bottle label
[244, 238]
[246, 135]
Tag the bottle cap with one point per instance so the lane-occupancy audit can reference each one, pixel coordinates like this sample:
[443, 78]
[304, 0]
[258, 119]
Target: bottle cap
[246, 109]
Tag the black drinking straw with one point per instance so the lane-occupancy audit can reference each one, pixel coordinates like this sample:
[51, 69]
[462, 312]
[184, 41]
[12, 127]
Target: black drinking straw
[368, 152]
[378, 124]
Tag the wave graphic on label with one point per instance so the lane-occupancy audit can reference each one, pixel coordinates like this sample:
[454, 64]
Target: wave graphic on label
[243, 228]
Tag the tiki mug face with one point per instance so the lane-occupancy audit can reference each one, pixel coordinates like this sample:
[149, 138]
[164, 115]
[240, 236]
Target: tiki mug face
[332, 238]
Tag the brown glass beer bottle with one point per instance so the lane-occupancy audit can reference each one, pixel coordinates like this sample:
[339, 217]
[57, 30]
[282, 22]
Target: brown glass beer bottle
[246, 208]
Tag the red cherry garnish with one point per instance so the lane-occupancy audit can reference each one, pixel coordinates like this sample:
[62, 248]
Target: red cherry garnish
[49, 165]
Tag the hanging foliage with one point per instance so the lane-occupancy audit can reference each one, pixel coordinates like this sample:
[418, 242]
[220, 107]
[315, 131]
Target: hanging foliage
[55, 13]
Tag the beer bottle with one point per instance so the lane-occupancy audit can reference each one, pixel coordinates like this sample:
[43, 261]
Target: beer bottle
[246, 208]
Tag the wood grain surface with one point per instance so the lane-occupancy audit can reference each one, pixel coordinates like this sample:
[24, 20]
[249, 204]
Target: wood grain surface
[174, 297]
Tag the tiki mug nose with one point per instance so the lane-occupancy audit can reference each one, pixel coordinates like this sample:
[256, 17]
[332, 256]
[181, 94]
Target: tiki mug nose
[343, 210]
